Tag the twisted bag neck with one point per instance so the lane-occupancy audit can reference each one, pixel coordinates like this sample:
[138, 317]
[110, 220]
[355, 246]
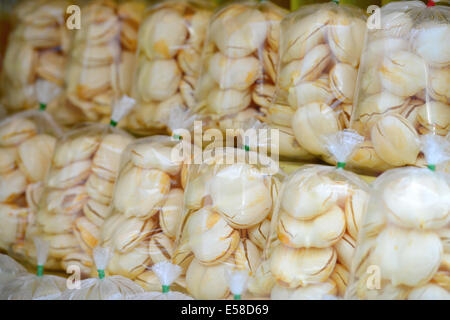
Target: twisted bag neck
[40, 270]
[101, 274]
[341, 165]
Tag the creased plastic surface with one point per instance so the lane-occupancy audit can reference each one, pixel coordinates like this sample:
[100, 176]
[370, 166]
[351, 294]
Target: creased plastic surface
[34, 286]
[342, 144]
[9, 269]
[109, 288]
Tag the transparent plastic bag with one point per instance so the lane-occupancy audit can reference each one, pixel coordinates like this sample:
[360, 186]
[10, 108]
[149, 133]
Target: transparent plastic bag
[239, 62]
[27, 141]
[103, 288]
[9, 269]
[79, 190]
[320, 47]
[102, 60]
[313, 233]
[36, 53]
[167, 273]
[403, 250]
[168, 63]
[230, 197]
[34, 286]
[146, 209]
[403, 89]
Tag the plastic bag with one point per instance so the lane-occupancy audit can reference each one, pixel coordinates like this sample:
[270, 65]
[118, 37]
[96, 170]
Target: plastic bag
[27, 141]
[239, 62]
[230, 197]
[312, 236]
[36, 53]
[102, 60]
[34, 286]
[403, 251]
[167, 273]
[101, 288]
[403, 90]
[9, 269]
[79, 189]
[146, 209]
[320, 47]
[169, 56]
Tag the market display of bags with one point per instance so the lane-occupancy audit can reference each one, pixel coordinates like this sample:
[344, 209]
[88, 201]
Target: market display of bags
[102, 60]
[229, 201]
[174, 217]
[313, 234]
[239, 63]
[403, 251]
[36, 52]
[146, 208]
[27, 141]
[78, 192]
[169, 58]
[404, 85]
[320, 47]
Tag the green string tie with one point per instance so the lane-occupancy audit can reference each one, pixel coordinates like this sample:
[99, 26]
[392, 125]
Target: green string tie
[113, 123]
[177, 137]
[40, 270]
[237, 297]
[165, 289]
[341, 165]
[246, 148]
[101, 274]
[432, 167]
[42, 106]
